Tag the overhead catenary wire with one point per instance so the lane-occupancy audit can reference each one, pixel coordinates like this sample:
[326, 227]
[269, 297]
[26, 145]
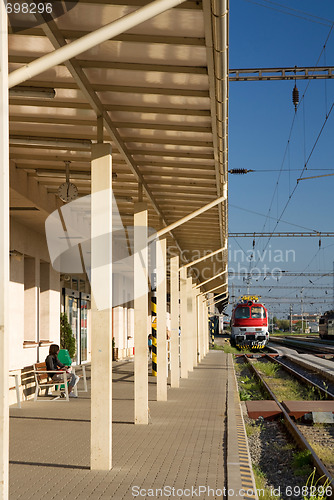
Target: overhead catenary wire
[291, 130]
[309, 17]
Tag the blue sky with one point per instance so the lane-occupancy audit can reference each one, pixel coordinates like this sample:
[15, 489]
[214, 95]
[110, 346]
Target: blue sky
[261, 115]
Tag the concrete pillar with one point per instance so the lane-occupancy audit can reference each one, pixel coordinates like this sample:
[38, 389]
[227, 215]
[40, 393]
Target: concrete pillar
[195, 329]
[190, 326]
[161, 247]
[141, 313]
[4, 254]
[199, 326]
[101, 282]
[205, 328]
[175, 312]
[184, 322]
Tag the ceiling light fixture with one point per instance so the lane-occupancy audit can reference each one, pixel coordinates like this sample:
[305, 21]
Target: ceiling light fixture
[39, 92]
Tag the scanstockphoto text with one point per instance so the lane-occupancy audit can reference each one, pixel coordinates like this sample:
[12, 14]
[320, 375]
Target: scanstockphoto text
[240, 262]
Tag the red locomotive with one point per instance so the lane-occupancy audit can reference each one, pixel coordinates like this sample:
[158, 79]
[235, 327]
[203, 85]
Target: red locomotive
[249, 324]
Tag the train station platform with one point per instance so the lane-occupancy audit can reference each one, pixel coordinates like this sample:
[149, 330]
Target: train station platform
[194, 446]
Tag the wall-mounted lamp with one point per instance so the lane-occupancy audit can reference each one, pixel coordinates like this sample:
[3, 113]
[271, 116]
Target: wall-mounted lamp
[16, 255]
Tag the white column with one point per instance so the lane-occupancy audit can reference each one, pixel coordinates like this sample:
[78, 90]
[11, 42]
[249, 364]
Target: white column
[175, 311]
[195, 329]
[199, 327]
[184, 322]
[101, 282]
[141, 313]
[161, 320]
[190, 326]
[118, 327]
[4, 254]
[205, 328]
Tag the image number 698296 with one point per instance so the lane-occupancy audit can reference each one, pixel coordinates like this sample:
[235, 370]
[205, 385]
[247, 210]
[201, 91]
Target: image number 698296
[26, 14]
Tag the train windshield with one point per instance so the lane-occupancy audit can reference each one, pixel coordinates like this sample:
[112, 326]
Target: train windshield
[258, 312]
[242, 312]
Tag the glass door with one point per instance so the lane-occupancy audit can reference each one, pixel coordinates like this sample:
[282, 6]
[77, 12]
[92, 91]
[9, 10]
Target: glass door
[72, 312]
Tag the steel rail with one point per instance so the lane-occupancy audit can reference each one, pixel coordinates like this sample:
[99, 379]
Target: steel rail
[299, 376]
[307, 346]
[295, 432]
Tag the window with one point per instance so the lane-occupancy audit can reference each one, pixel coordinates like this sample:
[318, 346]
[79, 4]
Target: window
[258, 312]
[242, 313]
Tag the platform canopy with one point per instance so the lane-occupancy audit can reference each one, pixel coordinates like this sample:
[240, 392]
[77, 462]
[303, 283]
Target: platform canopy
[162, 89]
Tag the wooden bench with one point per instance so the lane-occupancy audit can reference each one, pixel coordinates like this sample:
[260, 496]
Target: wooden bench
[44, 382]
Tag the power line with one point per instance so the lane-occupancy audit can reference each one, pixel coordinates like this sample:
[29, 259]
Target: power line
[309, 18]
[273, 218]
[288, 144]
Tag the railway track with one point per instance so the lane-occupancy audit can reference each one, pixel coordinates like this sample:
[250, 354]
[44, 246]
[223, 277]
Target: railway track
[309, 346]
[306, 372]
[294, 429]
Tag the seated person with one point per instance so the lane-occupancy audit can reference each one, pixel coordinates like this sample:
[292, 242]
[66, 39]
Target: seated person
[52, 363]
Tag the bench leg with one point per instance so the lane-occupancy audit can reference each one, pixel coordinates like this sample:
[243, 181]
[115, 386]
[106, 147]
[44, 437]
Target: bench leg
[36, 392]
[17, 387]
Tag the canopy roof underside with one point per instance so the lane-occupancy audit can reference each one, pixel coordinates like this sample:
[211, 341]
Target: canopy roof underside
[156, 84]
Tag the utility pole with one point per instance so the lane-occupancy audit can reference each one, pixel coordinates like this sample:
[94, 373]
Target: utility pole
[333, 285]
[301, 300]
[290, 318]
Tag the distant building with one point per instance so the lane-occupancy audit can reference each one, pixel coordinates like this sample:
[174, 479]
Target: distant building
[310, 318]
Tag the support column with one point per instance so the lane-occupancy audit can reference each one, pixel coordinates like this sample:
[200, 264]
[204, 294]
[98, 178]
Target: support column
[101, 282]
[175, 312]
[4, 254]
[205, 328]
[195, 326]
[190, 326]
[141, 312]
[161, 320]
[199, 327]
[207, 331]
[184, 322]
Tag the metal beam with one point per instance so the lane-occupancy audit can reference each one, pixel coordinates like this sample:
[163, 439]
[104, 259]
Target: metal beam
[19, 101]
[118, 125]
[274, 287]
[95, 63]
[188, 5]
[300, 234]
[278, 274]
[289, 73]
[106, 87]
[187, 218]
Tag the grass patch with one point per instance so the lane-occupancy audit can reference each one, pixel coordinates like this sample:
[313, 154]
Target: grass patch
[325, 454]
[284, 386]
[302, 463]
[252, 429]
[216, 347]
[264, 492]
[249, 389]
[267, 368]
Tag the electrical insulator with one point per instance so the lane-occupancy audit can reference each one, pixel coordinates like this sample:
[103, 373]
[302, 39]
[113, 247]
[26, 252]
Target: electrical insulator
[239, 171]
[295, 97]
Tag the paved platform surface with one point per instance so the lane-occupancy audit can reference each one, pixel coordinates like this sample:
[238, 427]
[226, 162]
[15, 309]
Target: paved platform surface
[184, 446]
